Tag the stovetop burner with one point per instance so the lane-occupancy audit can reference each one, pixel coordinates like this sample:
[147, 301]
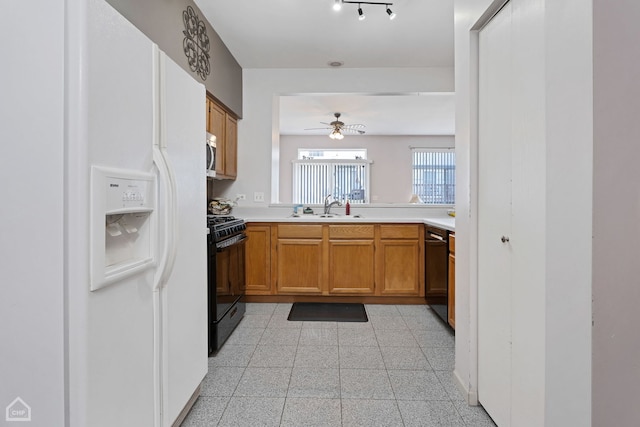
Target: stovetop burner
[219, 219]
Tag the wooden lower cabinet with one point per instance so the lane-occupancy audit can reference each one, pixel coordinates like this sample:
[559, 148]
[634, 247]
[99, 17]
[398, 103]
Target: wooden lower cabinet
[299, 267]
[335, 259]
[399, 267]
[258, 260]
[299, 259]
[351, 256]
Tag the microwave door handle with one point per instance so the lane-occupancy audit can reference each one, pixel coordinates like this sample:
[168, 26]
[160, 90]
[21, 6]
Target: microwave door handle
[212, 157]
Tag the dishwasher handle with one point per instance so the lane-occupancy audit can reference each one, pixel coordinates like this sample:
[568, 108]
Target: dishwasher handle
[435, 236]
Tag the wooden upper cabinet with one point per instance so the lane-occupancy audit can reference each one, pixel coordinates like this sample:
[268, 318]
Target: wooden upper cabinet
[225, 127]
[231, 147]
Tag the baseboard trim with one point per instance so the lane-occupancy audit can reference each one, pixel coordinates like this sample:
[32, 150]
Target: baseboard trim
[470, 396]
[185, 411]
[320, 298]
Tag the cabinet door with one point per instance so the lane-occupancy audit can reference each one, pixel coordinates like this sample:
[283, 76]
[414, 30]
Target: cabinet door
[399, 267]
[217, 127]
[258, 260]
[351, 269]
[299, 266]
[231, 147]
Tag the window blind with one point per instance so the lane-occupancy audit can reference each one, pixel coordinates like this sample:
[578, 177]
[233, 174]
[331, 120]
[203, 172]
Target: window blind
[434, 175]
[313, 180]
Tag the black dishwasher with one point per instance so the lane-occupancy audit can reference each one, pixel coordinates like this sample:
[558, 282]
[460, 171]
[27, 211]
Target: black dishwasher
[436, 251]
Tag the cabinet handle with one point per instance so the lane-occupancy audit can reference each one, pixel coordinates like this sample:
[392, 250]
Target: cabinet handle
[504, 239]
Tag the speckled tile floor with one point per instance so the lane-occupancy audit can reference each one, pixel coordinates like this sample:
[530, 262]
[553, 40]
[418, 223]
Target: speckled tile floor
[394, 370]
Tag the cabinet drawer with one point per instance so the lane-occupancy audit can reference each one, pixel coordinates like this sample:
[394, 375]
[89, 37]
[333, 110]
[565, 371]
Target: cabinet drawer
[298, 231]
[351, 231]
[399, 231]
[452, 243]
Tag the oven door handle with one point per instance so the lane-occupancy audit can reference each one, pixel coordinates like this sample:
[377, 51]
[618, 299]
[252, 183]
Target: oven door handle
[240, 241]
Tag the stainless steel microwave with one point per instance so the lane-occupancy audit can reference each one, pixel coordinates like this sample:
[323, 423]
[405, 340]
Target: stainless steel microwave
[211, 155]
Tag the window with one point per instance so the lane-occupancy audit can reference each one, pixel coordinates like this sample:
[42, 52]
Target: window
[434, 175]
[341, 173]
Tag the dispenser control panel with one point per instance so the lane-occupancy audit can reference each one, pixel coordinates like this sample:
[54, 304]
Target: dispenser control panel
[127, 193]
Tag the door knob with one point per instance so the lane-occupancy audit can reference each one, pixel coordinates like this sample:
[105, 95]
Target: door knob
[504, 239]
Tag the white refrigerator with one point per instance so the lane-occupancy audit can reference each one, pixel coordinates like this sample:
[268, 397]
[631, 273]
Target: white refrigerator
[138, 316]
[84, 91]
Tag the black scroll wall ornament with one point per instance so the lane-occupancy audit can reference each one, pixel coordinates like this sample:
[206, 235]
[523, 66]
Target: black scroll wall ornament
[196, 43]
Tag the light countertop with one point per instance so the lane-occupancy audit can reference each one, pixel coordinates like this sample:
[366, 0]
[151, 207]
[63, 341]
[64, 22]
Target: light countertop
[447, 222]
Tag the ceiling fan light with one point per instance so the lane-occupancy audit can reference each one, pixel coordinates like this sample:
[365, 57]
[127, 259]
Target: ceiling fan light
[390, 13]
[336, 134]
[361, 15]
[337, 4]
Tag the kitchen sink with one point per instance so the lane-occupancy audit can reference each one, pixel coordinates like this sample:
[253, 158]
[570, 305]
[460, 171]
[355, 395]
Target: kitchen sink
[317, 217]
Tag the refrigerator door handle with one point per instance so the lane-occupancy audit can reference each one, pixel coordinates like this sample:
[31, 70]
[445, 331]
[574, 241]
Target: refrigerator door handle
[163, 176]
[173, 217]
[167, 176]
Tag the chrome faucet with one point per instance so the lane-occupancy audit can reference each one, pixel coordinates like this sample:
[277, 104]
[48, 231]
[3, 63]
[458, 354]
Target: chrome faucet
[327, 205]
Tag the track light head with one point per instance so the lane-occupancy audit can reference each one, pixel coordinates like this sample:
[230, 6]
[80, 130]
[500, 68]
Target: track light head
[337, 4]
[390, 13]
[361, 15]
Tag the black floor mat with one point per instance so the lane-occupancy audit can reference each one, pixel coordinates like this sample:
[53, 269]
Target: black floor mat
[327, 312]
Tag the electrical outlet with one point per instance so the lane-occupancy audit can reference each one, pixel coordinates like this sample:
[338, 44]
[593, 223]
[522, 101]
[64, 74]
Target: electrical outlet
[258, 196]
[241, 196]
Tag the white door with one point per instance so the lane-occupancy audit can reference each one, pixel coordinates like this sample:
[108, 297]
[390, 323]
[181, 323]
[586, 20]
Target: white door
[494, 217]
[185, 352]
[511, 215]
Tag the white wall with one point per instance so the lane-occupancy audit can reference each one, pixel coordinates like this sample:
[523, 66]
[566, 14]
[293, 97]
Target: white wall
[567, 257]
[466, 13]
[616, 213]
[32, 243]
[258, 137]
[390, 172]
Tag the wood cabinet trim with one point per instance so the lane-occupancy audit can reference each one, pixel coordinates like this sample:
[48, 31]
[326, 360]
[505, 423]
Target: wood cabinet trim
[299, 231]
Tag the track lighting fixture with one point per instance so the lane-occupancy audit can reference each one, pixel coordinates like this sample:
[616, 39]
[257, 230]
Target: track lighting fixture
[390, 13]
[361, 16]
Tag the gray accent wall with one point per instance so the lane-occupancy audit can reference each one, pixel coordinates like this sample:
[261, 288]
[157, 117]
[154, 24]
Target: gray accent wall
[161, 21]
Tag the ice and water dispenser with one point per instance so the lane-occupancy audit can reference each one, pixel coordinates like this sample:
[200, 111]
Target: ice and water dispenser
[122, 224]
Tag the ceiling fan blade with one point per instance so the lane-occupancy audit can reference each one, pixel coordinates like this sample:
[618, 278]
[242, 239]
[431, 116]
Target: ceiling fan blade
[361, 132]
[318, 129]
[354, 126]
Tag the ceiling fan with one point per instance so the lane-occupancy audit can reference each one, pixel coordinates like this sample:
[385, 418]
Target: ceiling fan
[338, 128]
